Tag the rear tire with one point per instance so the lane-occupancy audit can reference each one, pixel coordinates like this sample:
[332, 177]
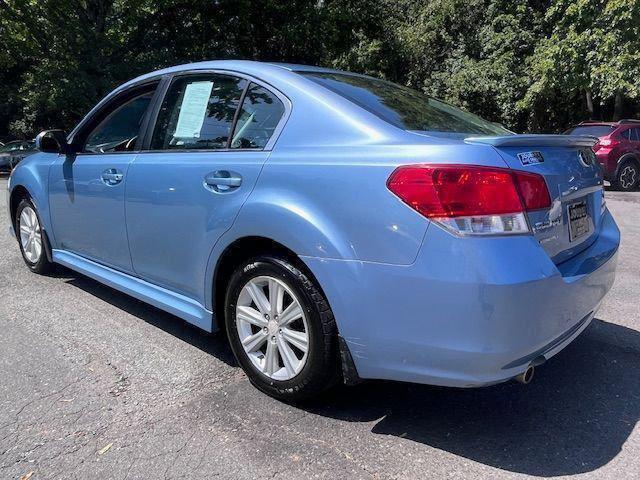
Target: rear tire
[264, 335]
[627, 176]
[31, 238]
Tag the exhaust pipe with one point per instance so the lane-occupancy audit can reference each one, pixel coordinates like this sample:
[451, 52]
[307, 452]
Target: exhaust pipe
[526, 376]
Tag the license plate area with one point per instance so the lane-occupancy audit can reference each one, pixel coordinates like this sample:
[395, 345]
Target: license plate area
[579, 220]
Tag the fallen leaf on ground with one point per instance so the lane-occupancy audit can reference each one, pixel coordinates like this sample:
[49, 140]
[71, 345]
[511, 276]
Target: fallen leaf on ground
[104, 449]
[27, 476]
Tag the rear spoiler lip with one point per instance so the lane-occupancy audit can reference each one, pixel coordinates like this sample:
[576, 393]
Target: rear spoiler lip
[536, 141]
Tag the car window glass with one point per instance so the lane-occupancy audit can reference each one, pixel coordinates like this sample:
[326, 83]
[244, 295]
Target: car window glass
[592, 130]
[259, 116]
[10, 147]
[404, 107]
[626, 134]
[198, 112]
[635, 134]
[119, 130]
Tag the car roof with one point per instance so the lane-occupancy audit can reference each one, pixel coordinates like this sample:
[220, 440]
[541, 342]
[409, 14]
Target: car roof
[619, 123]
[263, 70]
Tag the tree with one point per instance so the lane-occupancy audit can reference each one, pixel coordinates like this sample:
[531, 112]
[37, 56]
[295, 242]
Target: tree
[587, 64]
[536, 65]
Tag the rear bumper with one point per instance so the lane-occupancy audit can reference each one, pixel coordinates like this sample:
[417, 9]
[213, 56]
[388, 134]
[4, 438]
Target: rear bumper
[469, 312]
[608, 165]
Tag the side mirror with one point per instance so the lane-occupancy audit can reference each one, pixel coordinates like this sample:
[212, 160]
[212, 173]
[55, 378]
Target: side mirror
[52, 141]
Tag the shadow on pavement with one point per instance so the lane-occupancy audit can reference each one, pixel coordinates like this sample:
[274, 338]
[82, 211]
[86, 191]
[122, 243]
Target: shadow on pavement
[573, 418]
[214, 344]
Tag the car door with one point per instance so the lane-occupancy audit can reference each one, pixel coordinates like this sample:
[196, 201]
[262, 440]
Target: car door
[211, 137]
[86, 189]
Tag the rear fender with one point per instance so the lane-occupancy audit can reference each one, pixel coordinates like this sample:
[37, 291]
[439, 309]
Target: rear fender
[287, 221]
[624, 158]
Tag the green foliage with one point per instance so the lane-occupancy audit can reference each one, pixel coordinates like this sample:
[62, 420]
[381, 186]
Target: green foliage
[590, 48]
[535, 65]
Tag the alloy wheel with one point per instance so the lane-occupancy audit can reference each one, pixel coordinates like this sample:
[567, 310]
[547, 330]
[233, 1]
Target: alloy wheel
[628, 176]
[30, 234]
[272, 328]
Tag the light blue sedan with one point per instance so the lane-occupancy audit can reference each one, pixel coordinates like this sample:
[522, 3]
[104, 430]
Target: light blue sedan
[336, 226]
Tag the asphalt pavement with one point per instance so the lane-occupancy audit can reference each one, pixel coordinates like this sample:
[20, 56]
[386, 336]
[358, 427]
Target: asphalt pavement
[95, 384]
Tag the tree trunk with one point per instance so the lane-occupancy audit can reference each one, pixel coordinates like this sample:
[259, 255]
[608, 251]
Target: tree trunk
[589, 99]
[618, 106]
[97, 11]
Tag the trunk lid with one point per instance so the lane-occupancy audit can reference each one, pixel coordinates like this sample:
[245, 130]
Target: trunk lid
[574, 179]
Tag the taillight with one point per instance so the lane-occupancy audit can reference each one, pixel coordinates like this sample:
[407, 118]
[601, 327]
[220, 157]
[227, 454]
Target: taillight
[533, 190]
[604, 142]
[471, 199]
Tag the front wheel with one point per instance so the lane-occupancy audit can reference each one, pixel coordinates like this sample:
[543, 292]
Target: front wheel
[281, 329]
[627, 176]
[30, 238]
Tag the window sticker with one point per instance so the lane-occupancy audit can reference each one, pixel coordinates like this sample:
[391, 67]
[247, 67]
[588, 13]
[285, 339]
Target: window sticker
[193, 109]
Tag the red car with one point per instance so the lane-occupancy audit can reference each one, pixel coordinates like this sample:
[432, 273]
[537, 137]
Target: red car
[618, 150]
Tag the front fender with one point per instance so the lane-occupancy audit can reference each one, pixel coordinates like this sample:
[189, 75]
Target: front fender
[32, 174]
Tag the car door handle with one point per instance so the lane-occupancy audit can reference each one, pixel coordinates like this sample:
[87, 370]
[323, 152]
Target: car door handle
[229, 182]
[223, 181]
[111, 177]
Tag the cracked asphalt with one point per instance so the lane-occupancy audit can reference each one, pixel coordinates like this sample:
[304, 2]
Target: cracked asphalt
[95, 384]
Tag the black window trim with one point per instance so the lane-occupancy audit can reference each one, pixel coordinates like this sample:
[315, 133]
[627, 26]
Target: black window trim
[168, 80]
[108, 105]
[236, 115]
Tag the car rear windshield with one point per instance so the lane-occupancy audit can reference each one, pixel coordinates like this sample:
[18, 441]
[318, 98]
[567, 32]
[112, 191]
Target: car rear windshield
[404, 107]
[593, 130]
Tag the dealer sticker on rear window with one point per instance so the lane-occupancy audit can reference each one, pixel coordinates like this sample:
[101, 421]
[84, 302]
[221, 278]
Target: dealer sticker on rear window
[530, 158]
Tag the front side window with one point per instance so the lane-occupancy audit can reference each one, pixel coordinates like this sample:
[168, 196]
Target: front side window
[403, 107]
[119, 130]
[198, 113]
[259, 116]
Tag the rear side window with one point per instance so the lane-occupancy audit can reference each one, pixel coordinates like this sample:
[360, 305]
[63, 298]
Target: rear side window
[258, 118]
[198, 112]
[404, 107]
[632, 134]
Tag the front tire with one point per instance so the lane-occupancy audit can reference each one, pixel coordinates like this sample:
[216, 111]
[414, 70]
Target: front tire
[281, 329]
[31, 238]
[627, 176]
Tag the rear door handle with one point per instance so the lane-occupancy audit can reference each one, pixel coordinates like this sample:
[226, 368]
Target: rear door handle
[223, 181]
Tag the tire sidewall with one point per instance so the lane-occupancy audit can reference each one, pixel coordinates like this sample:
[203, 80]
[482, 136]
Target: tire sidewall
[280, 269]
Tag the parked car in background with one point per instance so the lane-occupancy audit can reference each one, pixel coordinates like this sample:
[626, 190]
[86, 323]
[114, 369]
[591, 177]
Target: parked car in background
[334, 225]
[617, 150]
[13, 152]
